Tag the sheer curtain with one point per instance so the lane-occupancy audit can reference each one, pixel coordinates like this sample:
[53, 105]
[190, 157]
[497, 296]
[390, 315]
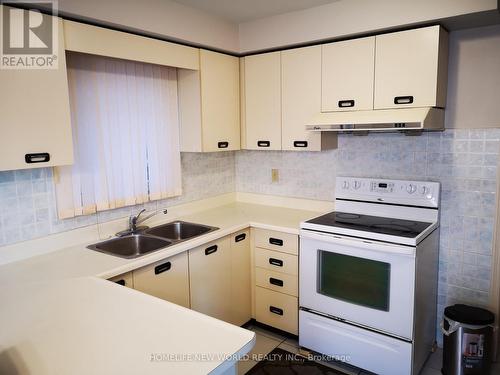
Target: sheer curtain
[125, 133]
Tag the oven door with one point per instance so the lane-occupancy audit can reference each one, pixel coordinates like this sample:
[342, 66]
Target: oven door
[368, 283]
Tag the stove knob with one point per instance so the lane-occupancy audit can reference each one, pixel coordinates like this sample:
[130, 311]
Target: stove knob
[345, 185]
[424, 190]
[411, 189]
[357, 185]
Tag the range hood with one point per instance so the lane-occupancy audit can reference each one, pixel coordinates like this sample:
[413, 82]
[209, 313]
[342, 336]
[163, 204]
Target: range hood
[381, 120]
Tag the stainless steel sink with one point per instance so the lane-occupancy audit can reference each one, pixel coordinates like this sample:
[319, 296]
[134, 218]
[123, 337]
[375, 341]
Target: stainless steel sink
[131, 246]
[179, 230]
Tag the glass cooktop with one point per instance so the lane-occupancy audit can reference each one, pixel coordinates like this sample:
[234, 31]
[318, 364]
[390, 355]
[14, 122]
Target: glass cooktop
[373, 224]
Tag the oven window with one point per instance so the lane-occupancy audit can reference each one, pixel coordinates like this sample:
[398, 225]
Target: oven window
[361, 281]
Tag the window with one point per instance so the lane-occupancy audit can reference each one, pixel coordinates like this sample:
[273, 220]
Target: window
[125, 133]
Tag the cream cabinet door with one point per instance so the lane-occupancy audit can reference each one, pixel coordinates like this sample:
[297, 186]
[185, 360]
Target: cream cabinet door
[263, 101]
[411, 68]
[124, 279]
[301, 100]
[210, 279]
[167, 279]
[348, 70]
[35, 115]
[241, 287]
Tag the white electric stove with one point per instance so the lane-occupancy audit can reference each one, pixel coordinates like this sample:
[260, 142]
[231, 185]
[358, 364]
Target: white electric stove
[368, 275]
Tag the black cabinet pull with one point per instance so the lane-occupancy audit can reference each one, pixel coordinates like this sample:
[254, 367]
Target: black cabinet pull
[120, 282]
[223, 144]
[240, 237]
[276, 262]
[276, 282]
[41, 157]
[210, 250]
[263, 143]
[275, 241]
[276, 310]
[346, 103]
[403, 100]
[299, 143]
[162, 268]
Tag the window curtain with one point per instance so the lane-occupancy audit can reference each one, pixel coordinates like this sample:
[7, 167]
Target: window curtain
[125, 134]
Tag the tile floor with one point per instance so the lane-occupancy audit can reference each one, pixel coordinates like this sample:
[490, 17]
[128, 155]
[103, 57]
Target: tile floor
[266, 341]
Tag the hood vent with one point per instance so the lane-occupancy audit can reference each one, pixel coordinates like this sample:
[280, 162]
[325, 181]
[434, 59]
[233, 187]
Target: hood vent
[383, 120]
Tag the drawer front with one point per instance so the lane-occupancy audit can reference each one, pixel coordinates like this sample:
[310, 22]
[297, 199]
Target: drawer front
[280, 282]
[124, 279]
[277, 310]
[279, 241]
[275, 261]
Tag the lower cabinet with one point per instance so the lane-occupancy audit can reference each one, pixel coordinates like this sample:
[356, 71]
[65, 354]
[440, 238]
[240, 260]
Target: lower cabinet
[167, 279]
[241, 285]
[277, 310]
[125, 279]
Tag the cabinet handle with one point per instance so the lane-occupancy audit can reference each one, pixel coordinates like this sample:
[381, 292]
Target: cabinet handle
[223, 144]
[299, 143]
[162, 268]
[41, 157]
[210, 250]
[275, 241]
[276, 262]
[403, 100]
[263, 143]
[346, 103]
[276, 282]
[240, 237]
[276, 310]
[120, 282]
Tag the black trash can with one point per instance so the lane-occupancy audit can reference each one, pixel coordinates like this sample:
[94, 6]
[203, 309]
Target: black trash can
[467, 340]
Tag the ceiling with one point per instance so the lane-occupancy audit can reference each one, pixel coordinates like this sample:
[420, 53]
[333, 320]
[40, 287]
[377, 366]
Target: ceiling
[239, 11]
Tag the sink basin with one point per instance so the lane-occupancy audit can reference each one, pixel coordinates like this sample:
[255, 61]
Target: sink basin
[131, 246]
[179, 230]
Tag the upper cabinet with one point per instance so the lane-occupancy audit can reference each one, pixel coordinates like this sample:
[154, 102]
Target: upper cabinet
[35, 115]
[347, 70]
[209, 104]
[262, 100]
[411, 68]
[301, 100]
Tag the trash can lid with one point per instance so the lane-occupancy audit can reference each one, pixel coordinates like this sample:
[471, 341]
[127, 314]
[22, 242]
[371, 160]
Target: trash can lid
[469, 315]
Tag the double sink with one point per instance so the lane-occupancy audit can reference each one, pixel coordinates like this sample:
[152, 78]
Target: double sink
[151, 239]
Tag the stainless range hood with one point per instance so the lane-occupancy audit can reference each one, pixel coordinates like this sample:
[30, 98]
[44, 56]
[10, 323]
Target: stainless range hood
[382, 120]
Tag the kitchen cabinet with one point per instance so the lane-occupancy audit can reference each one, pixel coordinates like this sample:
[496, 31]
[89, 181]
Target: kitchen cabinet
[210, 279]
[241, 302]
[262, 101]
[300, 74]
[277, 310]
[411, 68]
[167, 279]
[35, 120]
[347, 70]
[209, 104]
[125, 279]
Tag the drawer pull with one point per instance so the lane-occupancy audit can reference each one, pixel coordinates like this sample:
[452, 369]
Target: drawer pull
[276, 310]
[276, 282]
[120, 282]
[299, 143]
[276, 262]
[210, 250]
[162, 268]
[403, 100]
[346, 103]
[263, 143]
[275, 241]
[223, 144]
[240, 237]
[41, 157]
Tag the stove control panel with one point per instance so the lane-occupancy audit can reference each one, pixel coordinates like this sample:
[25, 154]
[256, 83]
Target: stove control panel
[414, 193]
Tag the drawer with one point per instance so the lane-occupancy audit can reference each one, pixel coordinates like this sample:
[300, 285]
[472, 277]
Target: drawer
[277, 310]
[275, 261]
[124, 279]
[279, 241]
[280, 282]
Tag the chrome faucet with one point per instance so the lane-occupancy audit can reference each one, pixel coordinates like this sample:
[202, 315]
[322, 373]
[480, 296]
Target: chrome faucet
[134, 220]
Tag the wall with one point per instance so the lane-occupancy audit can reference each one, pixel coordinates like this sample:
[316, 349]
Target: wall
[28, 208]
[464, 161]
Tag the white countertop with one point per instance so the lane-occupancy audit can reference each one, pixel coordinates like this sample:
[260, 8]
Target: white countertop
[58, 317]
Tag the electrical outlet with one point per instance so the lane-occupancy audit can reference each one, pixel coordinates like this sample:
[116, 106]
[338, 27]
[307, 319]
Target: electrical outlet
[275, 175]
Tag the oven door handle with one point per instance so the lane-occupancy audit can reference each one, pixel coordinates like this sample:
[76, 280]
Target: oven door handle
[359, 243]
